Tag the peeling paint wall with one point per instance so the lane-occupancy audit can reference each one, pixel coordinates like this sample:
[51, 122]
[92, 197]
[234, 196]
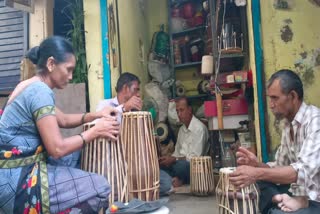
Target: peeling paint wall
[291, 39]
[138, 19]
[134, 37]
[92, 25]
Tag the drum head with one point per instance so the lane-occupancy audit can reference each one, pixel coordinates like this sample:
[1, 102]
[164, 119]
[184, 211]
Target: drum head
[162, 131]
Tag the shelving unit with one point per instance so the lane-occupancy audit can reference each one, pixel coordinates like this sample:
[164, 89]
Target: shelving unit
[229, 62]
[196, 31]
[185, 65]
[187, 31]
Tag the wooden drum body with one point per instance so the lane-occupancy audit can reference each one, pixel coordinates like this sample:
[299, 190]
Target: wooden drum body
[201, 176]
[106, 158]
[141, 155]
[235, 201]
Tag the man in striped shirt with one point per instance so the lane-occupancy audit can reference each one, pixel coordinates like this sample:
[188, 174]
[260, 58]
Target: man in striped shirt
[292, 182]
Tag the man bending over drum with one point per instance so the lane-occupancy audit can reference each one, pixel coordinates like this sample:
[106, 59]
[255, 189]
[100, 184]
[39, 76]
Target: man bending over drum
[128, 99]
[297, 160]
[192, 141]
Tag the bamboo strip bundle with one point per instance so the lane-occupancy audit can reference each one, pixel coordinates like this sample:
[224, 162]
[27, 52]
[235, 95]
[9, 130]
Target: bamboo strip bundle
[141, 155]
[235, 201]
[106, 158]
[201, 174]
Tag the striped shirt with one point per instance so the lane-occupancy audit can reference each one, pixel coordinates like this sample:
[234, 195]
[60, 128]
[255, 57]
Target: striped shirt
[303, 152]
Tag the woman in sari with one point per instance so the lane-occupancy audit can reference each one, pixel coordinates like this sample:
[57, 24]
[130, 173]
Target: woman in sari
[29, 134]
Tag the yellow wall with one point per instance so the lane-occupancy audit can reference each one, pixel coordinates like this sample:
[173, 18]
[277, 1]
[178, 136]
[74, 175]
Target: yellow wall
[40, 22]
[291, 39]
[138, 19]
[92, 25]
[134, 40]
[157, 12]
[113, 48]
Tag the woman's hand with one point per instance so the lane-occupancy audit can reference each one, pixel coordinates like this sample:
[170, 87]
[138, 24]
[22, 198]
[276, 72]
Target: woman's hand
[107, 127]
[108, 111]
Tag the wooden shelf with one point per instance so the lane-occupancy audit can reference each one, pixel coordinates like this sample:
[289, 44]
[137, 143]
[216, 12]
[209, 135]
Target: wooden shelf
[232, 83]
[231, 55]
[187, 31]
[188, 64]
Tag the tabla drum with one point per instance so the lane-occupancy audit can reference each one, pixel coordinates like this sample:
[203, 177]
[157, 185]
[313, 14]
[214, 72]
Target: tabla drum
[201, 176]
[105, 157]
[137, 136]
[232, 200]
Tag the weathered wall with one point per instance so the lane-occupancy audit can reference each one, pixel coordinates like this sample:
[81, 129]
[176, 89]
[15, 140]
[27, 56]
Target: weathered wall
[71, 99]
[92, 25]
[40, 22]
[291, 39]
[134, 37]
[157, 12]
[138, 20]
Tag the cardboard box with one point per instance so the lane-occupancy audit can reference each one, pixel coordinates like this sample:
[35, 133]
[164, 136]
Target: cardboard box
[229, 122]
[230, 107]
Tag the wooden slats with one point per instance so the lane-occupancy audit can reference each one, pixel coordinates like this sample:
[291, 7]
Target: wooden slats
[9, 69]
[12, 21]
[10, 15]
[9, 41]
[6, 84]
[12, 45]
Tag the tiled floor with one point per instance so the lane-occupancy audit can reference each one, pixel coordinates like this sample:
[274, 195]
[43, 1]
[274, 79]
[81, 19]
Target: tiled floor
[189, 204]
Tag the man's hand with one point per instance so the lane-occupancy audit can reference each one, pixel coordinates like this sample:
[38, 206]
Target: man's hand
[134, 103]
[245, 157]
[243, 176]
[167, 161]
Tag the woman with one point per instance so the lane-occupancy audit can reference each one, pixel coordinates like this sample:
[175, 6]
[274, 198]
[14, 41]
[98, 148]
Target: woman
[29, 133]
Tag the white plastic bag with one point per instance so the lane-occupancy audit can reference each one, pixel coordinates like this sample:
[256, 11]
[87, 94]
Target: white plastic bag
[153, 90]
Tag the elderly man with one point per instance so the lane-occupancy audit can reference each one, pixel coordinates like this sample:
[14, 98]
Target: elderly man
[297, 160]
[192, 141]
[128, 99]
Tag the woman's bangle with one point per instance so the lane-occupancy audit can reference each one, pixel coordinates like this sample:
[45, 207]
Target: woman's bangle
[82, 118]
[83, 140]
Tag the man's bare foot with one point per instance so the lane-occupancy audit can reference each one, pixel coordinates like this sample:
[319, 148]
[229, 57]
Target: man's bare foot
[290, 204]
[176, 182]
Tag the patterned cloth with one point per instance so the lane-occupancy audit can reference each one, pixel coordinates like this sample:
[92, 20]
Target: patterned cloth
[28, 184]
[303, 152]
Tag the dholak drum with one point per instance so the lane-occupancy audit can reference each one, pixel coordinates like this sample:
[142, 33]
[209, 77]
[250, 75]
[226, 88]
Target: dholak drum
[141, 155]
[106, 158]
[235, 201]
[201, 176]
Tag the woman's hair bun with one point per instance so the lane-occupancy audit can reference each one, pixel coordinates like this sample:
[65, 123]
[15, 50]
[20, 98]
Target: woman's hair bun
[33, 55]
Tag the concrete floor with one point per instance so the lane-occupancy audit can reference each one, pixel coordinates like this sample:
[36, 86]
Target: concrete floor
[189, 204]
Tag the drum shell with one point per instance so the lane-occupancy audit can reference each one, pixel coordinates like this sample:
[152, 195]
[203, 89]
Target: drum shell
[233, 200]
[141, 155]
[106, 158]
[201, 176]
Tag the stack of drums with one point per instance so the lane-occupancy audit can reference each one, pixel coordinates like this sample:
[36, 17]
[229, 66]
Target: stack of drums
[141, 155]
[235, 201]
[106, 158]
[201, 176]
